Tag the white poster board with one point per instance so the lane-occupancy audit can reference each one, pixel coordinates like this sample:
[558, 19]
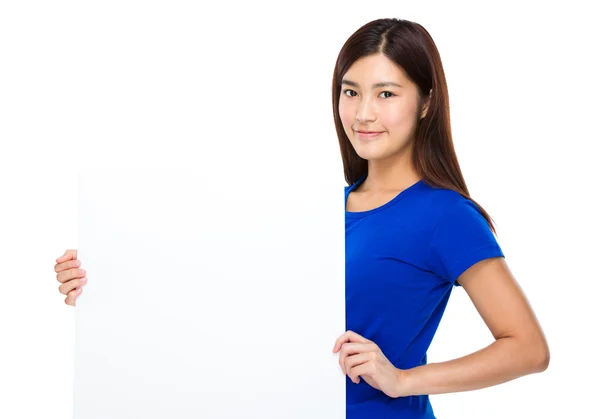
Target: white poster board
[208, 298]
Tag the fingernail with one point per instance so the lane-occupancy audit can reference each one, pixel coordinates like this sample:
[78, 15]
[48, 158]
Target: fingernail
[82, 271]
[84, 280]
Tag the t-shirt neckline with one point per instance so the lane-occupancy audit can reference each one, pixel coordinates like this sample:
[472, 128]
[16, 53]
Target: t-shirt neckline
[358, 214]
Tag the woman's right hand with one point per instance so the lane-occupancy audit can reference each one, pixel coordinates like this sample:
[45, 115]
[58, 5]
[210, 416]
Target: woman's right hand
[71, 277]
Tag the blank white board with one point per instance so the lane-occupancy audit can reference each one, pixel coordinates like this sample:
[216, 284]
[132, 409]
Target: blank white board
[207, 297]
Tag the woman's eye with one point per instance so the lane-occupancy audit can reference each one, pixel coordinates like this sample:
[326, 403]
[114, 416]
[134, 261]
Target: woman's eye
[352, 95]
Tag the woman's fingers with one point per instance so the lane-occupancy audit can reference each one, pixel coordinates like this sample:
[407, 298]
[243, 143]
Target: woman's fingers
[346, 350]
[67, 265]
[72, 296]
[70, 274]
[69, 254]
[356, 360]
[71, 285]
[347, 345]
[349, 336]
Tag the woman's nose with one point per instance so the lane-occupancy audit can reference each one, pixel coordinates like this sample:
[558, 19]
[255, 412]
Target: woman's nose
[365, 112]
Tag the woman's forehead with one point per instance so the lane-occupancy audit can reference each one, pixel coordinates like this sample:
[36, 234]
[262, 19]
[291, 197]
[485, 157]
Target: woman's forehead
[375, 69]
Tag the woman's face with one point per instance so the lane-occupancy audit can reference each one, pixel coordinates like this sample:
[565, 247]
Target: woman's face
[390, 109]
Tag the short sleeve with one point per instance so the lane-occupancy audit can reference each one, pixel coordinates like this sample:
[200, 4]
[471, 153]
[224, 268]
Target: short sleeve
[460, 239]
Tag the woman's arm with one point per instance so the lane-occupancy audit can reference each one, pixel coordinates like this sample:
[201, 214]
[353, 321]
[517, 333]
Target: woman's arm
[520, 347]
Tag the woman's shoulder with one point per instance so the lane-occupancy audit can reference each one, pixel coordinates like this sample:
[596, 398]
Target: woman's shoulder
[440, 195]
[443, 200]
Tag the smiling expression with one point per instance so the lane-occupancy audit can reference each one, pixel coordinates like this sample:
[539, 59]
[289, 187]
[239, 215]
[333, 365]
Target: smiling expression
[378, 108]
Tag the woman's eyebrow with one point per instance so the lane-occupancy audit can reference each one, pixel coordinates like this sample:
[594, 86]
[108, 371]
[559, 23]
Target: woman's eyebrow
[376, 85]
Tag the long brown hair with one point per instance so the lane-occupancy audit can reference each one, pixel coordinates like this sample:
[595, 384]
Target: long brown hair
[411, 47]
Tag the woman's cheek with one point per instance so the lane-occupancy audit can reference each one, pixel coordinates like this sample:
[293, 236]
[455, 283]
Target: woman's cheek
[347, 120]
[398, 119]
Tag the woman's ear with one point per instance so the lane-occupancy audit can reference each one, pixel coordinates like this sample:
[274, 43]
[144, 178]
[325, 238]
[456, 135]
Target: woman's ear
[425, 106]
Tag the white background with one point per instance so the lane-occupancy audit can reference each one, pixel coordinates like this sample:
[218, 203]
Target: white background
[226, 305]
[137, 84]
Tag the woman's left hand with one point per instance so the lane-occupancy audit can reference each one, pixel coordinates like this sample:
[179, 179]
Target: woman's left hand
[360, 357]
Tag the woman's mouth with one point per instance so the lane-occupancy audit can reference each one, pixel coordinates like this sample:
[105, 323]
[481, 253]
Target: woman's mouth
[368, 135]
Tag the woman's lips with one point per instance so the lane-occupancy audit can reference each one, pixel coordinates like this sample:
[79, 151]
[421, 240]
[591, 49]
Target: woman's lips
[368, 136]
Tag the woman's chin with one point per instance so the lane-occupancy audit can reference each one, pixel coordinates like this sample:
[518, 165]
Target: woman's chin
[370, 154]
[381, 151]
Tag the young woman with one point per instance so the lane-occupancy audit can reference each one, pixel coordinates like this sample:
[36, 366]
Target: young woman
[412, 234]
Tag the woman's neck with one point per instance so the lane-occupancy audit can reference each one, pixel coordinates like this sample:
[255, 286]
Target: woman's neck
[390, 175]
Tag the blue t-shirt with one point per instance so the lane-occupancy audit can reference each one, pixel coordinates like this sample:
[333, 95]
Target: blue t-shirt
[402, 261]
